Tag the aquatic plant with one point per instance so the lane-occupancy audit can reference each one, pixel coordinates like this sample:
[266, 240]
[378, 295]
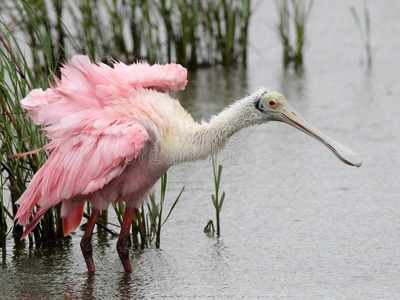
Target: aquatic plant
[17, 133]
[148, 220]
[293, 14]
[155, 212]
[365, 30]
[3, 209]
[191, 32]
[226, 24]
[216, 199]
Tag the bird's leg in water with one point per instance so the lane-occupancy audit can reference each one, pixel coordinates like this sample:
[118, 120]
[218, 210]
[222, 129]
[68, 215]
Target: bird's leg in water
[86, 242]
[122, 244]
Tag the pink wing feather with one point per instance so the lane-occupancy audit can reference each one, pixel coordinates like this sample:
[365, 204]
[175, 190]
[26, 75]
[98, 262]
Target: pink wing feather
[92, 137]
[82, 165]
[73, 220]
[85, 85]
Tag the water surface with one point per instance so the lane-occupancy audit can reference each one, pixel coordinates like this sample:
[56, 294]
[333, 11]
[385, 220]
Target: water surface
[296, 222]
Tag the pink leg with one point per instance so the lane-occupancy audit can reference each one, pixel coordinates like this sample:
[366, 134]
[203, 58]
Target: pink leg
[122, 244]
[86, 242]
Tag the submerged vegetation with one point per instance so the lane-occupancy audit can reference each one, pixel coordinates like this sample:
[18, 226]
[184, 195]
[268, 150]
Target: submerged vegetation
[293, 15]
[365, 30]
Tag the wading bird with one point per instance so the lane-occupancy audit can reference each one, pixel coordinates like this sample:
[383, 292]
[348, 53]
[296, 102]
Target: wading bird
[114, 131]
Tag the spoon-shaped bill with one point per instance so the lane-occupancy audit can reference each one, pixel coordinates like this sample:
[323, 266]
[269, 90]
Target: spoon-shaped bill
[344, 154]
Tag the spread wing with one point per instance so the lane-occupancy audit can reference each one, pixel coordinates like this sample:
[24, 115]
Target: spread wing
[87, 86]
[87, 115]
[83, 164]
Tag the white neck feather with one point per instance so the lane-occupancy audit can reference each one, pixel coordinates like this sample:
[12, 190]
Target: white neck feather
[199, 141]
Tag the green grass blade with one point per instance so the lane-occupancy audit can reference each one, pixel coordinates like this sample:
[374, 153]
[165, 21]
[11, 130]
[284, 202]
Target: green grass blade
[173, 206]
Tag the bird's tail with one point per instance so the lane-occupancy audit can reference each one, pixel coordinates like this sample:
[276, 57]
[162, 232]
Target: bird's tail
[73, 219]
[69, 222]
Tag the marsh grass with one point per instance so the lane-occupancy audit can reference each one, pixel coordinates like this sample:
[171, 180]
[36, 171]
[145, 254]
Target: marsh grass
[217, 200]
[3, 222]
[193, 33]
[156, 212]
[293, 16]
[364, 29]
[148, 219]
[17, 133]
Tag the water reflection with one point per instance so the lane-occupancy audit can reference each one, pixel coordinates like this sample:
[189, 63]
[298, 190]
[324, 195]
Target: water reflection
[3, 250]
[209, 92]
[103, 241]
[293, 84]
[87, 287]
[19, 248]
[218, 246]
[125, 287]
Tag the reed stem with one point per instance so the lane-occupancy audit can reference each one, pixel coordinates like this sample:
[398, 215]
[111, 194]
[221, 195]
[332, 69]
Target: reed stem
[216, 198]
[365, 30]
[293, 15]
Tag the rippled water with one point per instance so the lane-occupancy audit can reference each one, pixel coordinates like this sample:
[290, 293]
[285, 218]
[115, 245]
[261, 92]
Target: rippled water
[296, 222]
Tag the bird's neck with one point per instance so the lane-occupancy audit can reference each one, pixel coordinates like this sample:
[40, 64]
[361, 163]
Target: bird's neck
[199, 141]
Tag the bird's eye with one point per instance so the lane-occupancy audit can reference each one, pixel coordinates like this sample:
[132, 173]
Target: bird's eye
[271, 103]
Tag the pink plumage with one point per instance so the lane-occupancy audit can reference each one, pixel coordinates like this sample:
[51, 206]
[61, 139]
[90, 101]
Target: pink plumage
[98, 120]
[115, 131]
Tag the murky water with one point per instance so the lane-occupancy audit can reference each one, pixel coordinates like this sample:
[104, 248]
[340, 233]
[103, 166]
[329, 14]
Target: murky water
[296, 222]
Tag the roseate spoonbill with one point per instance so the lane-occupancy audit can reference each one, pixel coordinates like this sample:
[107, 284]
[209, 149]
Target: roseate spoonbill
[115, 131]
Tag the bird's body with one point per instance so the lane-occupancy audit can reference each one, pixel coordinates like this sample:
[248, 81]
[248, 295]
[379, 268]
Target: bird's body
[114, 132]
[103, 132]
